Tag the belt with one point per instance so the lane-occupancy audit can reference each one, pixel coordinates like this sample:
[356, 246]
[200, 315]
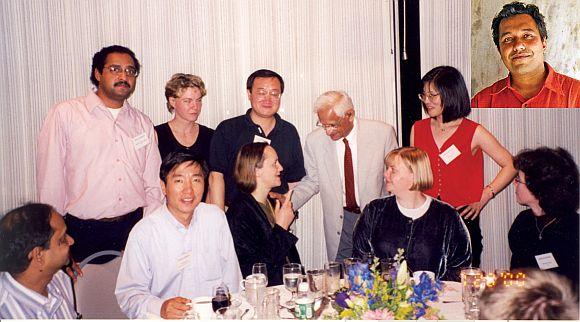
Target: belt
[354, 210]
[114, 219]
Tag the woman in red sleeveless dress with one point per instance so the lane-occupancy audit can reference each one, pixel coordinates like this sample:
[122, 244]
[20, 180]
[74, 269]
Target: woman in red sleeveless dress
[455, 146]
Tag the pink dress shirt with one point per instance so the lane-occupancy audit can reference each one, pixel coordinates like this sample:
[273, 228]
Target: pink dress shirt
[94, 166]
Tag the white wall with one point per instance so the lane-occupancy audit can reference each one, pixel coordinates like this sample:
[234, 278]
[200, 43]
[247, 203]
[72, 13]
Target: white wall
[46, 48]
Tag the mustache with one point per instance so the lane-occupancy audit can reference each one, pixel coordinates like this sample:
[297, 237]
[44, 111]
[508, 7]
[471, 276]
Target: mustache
[122, 83]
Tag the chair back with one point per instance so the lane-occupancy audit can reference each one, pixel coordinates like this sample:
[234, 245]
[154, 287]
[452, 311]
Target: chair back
[95, 291]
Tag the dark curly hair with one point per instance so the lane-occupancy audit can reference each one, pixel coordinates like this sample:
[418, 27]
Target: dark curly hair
[21, 230]
[518, 8]
[451, 86]
[101, 56]
[552, 177]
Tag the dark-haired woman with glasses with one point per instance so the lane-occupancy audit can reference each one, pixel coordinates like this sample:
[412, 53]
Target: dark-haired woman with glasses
[455, 146]
[545, 236]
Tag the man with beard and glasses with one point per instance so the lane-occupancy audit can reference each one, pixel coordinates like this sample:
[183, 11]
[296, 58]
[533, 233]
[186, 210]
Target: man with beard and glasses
[97, 158]
[520, 35]
[34, 246]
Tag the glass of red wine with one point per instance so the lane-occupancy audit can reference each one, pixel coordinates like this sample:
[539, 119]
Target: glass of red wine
[221, 297]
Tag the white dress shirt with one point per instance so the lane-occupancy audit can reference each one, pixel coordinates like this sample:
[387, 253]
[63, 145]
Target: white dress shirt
[340, 150]
[19, 302]
[164, 259]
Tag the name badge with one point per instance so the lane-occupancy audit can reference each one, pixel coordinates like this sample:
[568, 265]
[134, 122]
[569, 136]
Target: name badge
[258, 139]
[546, 261]
[450, 154]
[183, 261]
[140, 141]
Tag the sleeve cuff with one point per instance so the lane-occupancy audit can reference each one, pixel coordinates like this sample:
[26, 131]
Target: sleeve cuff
[154, 307]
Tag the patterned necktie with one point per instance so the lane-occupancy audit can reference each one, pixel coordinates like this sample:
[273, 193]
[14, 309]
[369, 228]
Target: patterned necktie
[349, 179]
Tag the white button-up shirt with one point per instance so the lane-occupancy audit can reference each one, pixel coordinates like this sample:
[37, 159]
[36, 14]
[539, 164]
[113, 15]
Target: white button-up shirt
[340, 151]
[164, 259]
[19, 302]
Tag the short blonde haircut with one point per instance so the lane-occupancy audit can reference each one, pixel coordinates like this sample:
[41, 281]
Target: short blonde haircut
[417, 162]
[180, 82]
[249, 158]
[339, 101]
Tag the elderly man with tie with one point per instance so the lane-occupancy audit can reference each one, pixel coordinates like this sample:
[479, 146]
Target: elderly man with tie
[343, 158]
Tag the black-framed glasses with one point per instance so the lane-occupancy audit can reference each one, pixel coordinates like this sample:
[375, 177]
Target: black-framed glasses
[519, 181]
[117, 70]
[424, 96]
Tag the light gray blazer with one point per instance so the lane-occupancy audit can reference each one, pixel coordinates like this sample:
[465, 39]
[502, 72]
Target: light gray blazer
[374, 140]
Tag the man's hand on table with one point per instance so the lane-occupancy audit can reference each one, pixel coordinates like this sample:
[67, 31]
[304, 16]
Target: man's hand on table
[175, 308]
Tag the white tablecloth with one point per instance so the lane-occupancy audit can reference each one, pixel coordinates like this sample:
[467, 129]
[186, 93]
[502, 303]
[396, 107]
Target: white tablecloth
[449, 304]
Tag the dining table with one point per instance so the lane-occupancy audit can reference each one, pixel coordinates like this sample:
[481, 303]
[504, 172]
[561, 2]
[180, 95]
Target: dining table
[450, 304]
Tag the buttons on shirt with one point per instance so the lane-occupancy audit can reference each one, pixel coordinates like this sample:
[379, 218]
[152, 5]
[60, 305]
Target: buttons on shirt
[340, 216]
[338, 233]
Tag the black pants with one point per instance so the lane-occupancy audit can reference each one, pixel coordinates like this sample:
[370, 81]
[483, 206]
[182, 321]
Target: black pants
[476, 239]
[92, 236]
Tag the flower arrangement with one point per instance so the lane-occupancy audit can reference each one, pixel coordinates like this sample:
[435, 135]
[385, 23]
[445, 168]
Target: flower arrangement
[392, 295]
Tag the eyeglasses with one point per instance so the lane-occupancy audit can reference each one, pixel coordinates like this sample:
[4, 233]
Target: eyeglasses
[423, 97]
[519, 181]
[117, 70]
[327, 127]
[262, 93]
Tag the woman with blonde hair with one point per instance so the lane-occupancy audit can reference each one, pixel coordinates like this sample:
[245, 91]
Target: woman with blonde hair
[184, 93]
[430, 231]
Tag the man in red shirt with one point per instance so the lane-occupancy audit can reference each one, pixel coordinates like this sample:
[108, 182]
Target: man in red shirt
[519, 32]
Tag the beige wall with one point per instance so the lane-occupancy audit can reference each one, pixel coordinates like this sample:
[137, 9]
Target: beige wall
[562, 22]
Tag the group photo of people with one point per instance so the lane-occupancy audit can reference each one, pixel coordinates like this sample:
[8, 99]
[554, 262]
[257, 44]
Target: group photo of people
[164, 157]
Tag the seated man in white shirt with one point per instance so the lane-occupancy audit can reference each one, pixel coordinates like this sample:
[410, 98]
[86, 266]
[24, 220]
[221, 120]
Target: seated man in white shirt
[34, 246]
[179, 252]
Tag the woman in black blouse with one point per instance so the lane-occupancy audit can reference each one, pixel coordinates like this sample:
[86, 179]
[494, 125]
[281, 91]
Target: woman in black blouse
[260, 230]
[184, 93]
[547, 183]
[430, 231]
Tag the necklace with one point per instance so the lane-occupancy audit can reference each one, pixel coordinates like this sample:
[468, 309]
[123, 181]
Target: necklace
[541, 231]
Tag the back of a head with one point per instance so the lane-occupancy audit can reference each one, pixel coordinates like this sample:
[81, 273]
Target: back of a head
[544, 295]
[21, 230]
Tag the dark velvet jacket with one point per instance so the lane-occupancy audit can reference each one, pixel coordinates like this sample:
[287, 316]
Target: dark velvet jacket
[256, 241]
[437, 241]
[559, 238]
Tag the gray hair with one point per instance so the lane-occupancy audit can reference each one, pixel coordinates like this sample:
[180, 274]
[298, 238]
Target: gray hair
[543, 296]
[339, 101]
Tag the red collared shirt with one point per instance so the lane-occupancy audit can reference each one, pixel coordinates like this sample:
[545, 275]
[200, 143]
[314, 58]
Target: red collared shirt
[558, 91]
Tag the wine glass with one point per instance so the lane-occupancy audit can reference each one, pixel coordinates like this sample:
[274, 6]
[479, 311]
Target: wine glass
[291, 273]
[260, 268]
[221, 297]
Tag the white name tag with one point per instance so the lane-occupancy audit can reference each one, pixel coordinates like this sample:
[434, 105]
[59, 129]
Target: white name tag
[258, 138]
[546, 261]
[450, 154]
[183, 261]
[140, 141]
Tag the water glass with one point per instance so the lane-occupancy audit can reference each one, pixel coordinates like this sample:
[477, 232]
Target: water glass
[271, 304]
[473, 283]
[387, 265]
[291, 275]
[260, 268]
[255, 287]
[317, 281]
[221, 297]
[333, 270]
[346, 264]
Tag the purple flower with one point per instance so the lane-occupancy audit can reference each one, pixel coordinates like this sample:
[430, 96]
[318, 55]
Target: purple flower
[341, 298]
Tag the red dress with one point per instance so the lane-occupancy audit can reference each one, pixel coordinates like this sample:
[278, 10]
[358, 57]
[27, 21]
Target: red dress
[461, 181]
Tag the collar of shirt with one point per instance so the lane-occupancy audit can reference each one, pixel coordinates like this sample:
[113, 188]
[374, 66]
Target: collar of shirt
[33, 300]
[175, 223]
[550, 83]
[257, 127]
[93, 101]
